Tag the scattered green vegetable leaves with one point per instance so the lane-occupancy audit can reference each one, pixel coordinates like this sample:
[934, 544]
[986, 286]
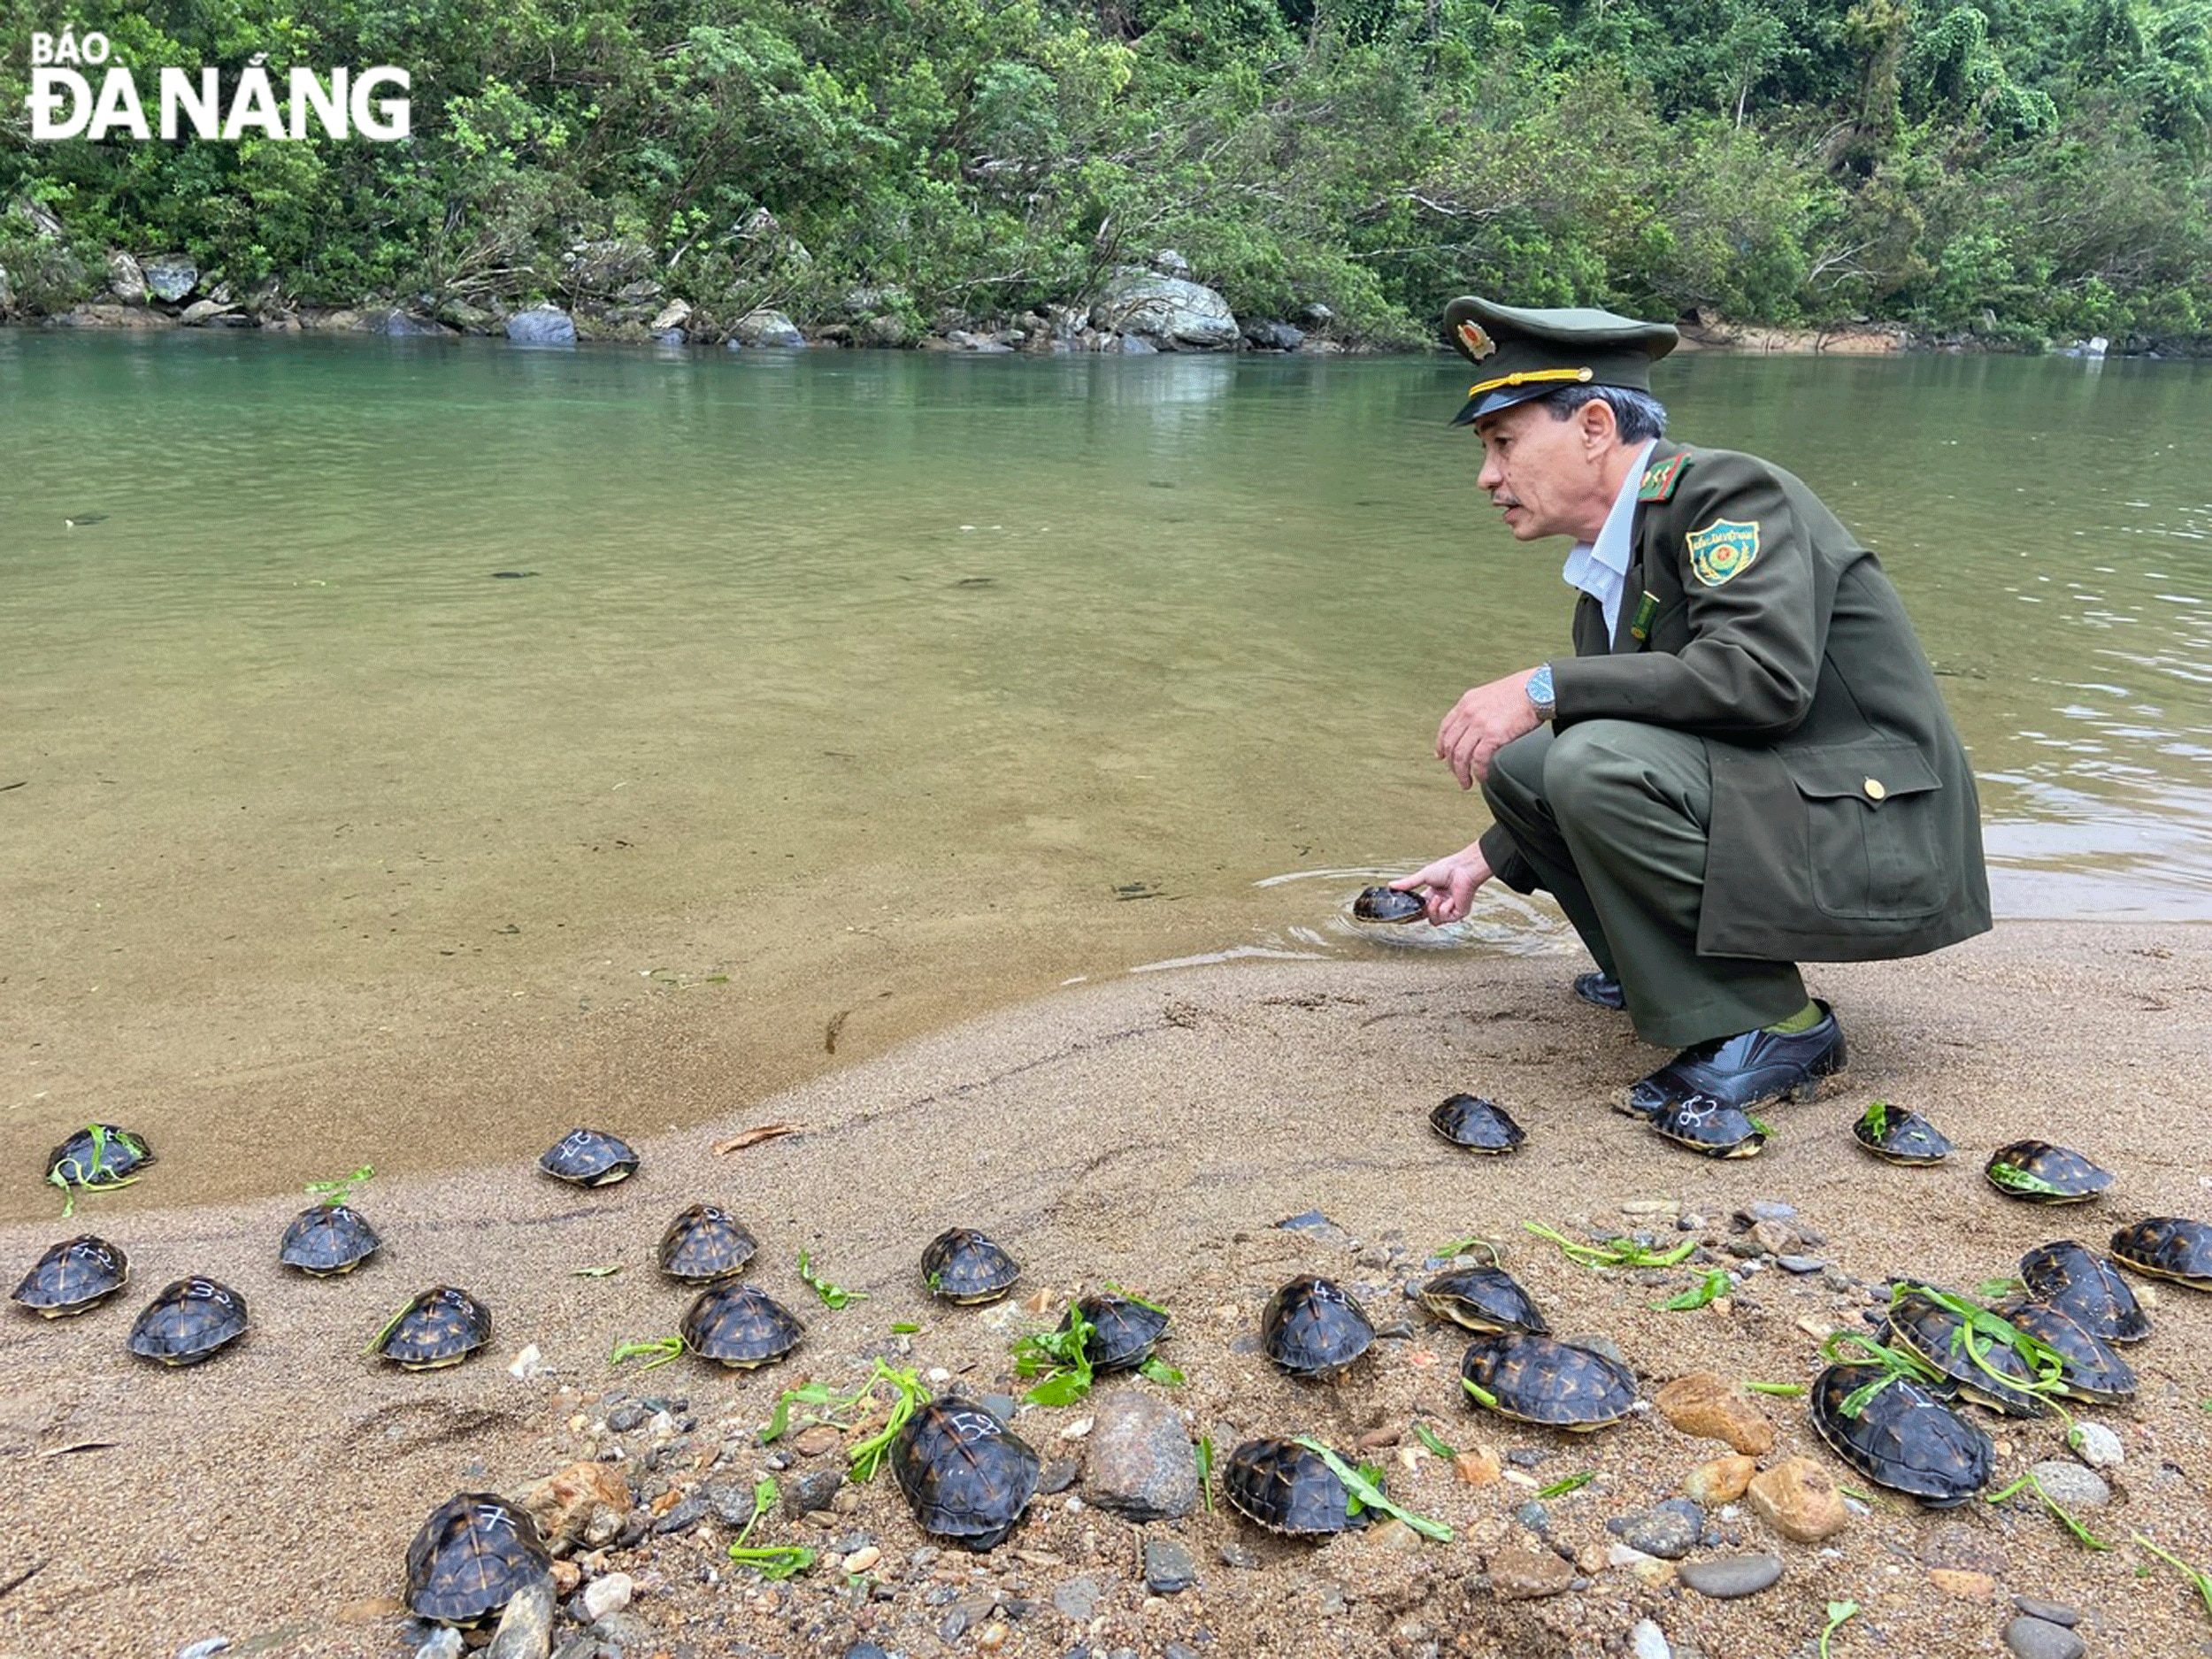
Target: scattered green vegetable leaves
[835, 1295]
[866, 1458]
[1707, 1290]
[606, 1271]
[1614, 1252]
[1157, 1370]
[904, 1327]
[2014, 1179]
[1481, 1396]
[1206, 1470]
[2088, 1539]
[341, 1190]
[1572, 1483]
[1429, 1438]
[1837, 1611]
[2202, 1582]
[1362, 1489]
[1061, 1357]
[1787, 1390]
[664, 1348]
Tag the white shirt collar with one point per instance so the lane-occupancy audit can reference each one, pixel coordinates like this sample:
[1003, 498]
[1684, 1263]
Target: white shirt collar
[1600, 568]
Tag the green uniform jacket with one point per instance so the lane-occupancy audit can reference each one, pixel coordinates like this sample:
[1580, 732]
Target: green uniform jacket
[1844, 823]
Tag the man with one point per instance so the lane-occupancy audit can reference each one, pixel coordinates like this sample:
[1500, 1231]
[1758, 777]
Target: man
[1744, 764]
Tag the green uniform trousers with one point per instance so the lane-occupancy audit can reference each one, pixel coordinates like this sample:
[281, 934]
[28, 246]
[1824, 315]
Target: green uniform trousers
[1612, 816]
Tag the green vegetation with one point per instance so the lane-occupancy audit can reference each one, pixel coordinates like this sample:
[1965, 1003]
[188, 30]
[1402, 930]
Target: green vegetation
[2009, 171]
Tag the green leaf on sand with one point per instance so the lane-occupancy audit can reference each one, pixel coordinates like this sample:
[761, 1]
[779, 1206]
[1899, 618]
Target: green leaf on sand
[1572, 1483]
[1614, 1252]
[663, 1348]
[1837, 1611]
[1787, 1390]
[835, 1295]
[1707, 1290]
[341, 1190]
[1429, 1438]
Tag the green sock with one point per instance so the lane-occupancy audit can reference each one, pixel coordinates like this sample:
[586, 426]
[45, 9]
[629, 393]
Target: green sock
[1804, 1019]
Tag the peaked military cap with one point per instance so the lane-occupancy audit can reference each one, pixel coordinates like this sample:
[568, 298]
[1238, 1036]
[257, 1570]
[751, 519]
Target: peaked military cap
[1522, 352]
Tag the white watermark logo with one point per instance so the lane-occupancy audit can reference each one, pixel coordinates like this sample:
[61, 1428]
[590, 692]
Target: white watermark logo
[63, 104]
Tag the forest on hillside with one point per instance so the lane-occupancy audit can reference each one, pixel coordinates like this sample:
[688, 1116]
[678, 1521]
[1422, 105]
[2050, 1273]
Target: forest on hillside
[2009, 172]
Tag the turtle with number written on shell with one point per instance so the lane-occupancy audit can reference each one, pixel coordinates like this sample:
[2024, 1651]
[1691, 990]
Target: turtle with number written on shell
[1900, 1136]
[2088, 1368]
[1123, 1330]
[739, 1325]
[98, 1154]
[2042, 1173]
[1287, 1488]
[1475, 1124]
[1897, 1435]
[442, 1326]
[2087, 1287]
[1710, 1126]
[704, 1245]
[1481, 1299]
[1313, 1328]
[1983, 1366]
[961, 1264]
[1542, 1380]
[474, 1555]
[2167, 1247]
[73, 1277]
[967, 1476]
[193, 1319]
[589, 1157]
[326, 1239]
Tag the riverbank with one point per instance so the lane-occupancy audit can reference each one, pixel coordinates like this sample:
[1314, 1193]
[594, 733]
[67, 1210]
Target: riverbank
[1153, 1130]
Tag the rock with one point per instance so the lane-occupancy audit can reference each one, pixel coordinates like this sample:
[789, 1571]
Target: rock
[543, 326]
[389, 320]
[1056, 1476]
[961, 339]
[1169, 263]
[1967, 1586]
[608, 1595]
[1773, 1210]
[1239, 1555]
[1166, 313]
[442, 1644]
[128, 280]
[1262, 336]
[675, 314]
[1720, 1481]
[1477, 1466]
[2071, 1486]
[1708, 1407]
[472, 320]
[1776, 1238]
[684, 1515]
[819, 1438]
[1726, 1577]
[1517, 1574]
[209, 1647]
[1647, 1640]
[1799, 1500]
[1664, 1530]
[1142, 1463]
[865, 1650]
[812, 1490]
[2050, 1612]
[1966, 1549]
[584, 1503]
[1598, 1343]
[1314, 1224]
[766, 328]
[170, 276]
[1799, 1263]
[1395, 1534]
[525, 1628]
[1533, 1516]
[2040, 1639]
[199, 312]
[2096, 1445]
[1077, 1599]
[1168, 1567]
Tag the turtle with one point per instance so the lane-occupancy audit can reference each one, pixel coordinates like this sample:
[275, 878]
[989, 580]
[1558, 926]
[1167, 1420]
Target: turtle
[2087, 1288]
[1123, 1330]
[961, 1264]
[2167, 1247]
[1470, 1121]
[1901, 1435]
[705, 1244]
[739, 1325]
[327, 1239]
[1393, 905]
[76, 1276]
[1983, 1368]
[1542, 1380]
[1900, 1136]
[1313, 1329]
[1710, 1126]
[2089, 1369]
[192, 1319]
[589, 1157]
[967, 1474]
[2042, 1173]
[1289, 1488]
[1481, 1299]
[474, 1555]
[442, 1326]
[98, 1154]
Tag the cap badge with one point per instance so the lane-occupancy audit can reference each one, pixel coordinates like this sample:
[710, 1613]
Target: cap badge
[1476, 342]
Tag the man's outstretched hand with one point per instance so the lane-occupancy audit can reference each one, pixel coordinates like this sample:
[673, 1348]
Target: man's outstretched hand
[1482, 723]
[1451, 882]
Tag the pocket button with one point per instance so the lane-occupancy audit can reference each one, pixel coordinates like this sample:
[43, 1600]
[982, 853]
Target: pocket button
[1874, 790]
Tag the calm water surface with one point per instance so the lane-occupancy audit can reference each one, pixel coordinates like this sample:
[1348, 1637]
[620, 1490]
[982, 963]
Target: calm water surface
[863, 691]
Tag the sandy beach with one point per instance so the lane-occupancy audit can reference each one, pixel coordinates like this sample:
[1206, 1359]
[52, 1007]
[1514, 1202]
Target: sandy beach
[1151, 1131]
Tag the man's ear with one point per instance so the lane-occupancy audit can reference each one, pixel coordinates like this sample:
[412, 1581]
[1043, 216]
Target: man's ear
[1598, 426]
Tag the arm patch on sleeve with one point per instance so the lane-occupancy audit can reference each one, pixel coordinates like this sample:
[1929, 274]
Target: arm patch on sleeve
[1723, 550]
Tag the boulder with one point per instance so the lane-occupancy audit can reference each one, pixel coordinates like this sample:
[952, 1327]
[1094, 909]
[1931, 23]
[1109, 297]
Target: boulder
[128, 280]
[675, 314]
[170, 276]
[1167, 313]
[391, 321]
[545, 326]
[766, 328]
[1273, 336]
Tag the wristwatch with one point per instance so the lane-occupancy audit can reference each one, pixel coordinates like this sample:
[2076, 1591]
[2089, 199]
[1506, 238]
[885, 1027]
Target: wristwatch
[1539, 691]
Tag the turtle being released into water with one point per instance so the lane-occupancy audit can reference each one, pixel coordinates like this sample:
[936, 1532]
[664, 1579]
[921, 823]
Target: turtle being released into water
[2087, 1287]
[1123, 1330]
[74, 1277]
[589, 1157]
[192, 1319]
[1288, 1488]
[1712, 1127]
[1983, 1366]
[739, 1325]
[2042, 1173]
[1897, 1435]
[1312, 1328]
[327, 1239]
[98, 1154]
[963, 1265]
[2167, 1247]
[474, 1555]
[967, 1474]
[1481, 1299]
[2089, 1370]
[1470, 1122]
[1542, 1380]
[442, 1326]
[1390, 905]
[704, 1245]
[1900, 1136]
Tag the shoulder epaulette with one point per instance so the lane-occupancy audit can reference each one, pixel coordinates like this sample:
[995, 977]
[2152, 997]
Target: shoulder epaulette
[1661, 478]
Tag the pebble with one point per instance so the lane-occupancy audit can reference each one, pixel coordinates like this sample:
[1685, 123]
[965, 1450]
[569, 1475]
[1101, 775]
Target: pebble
[1533, 1516]
[1000, 1406]
[1526, 1456]
[1773, 1210]
[206, 1649]
[1647, 1640]
[609, 1595]
[2049, 1612]
[2040, 1639]
[1706, 1406]
[1238, 1556]
[1056, 1476]
[1142, 1463]
[1522, 1575]
[1798, 1499]
[2071, 1485]
[1314, 1224]
[1967, 1586]
[628, 1415]
[865, 1650]
[1727, 1577]
[1722, 1480]
[1598, 1343]
[1801, 1264]
[1076, 1599]
[2096, 1445]
[864, 1558]
[1478, 1466]
[446, 1644]
[1168, 1567]
[812, 1490]
[1665, 1529]
[814, 1441]
[687, 1515]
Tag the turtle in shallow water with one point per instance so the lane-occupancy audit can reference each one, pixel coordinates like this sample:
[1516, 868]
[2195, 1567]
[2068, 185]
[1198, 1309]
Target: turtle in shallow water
[1900, 1435]
[2089, 1370]
[98, 1154]
[1712, 1127]
[192, 1319]
[1123, 1330]
[963, 1265]
[704, 1245]
[1470, 1122]
[739, 1325]
[2167, 1247]
[967, 1474]
[74, 1277]
[327, 1239]
[1312, 1328]
[2042, 1173]
[442, 1326]
[1392, 905]
[1289, 1488]
[1481, 1299]
[589, 1157]
[1900, 1136]
[474, 1555]
[1542, 1380]
[2087, 1287]
[1984, 1367]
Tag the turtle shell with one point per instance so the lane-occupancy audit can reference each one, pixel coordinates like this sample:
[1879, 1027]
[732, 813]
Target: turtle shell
[74, 1277]
[2091, 1370]
[1477, 1124]
[1903, 1437]
[2087, 1288]
[2042, 1173]
[443, 1326]
[2167, 1247]
[589, 1157]
[1288, 1487]
[1983, 1368]
[326, 1238]
[1900, 1136]
[961, 1264]
[474, 1555]
[1481, 1299]
[1710, 1126]
[1312, 1328]
[739, 1325]
[192, 1319]
[705, 1244]
[1540, 1380]
[1123, 1330]
[967, 1474]
[98, 1154]
[1389, 905]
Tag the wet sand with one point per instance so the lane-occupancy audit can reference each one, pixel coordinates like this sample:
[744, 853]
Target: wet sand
[1150, 1131]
